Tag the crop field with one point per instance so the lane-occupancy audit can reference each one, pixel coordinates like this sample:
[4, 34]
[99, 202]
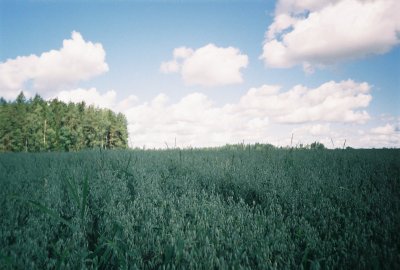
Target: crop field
[201, 209]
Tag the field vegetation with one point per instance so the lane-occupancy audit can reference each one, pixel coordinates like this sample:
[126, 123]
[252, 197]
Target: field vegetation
[242, 208]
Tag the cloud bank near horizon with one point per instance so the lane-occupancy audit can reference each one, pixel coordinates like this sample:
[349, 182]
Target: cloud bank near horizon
[265, 114]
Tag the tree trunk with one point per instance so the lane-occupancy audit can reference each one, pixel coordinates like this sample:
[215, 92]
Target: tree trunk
[44, 133]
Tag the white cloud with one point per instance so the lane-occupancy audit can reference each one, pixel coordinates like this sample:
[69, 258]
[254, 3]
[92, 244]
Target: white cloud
[298, 6]
[126, 103]
[195, 120]
[77, 60]
[319, 129]
[331, 102]
[328, 134]
[94, 98]
[263, 114]
[182, 52]
[338, 135]
[207, 66]
[388, 129]
[317, 33]
[380, 136]
[170, 67]
[314, 130]
[89, 96]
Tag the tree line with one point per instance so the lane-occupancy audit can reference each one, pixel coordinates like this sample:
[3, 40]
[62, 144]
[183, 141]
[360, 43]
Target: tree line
[34, 125]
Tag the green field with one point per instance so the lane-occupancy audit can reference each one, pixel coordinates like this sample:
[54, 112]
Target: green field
[201, 209]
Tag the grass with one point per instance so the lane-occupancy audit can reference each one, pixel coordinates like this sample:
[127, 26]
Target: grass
[249, 208]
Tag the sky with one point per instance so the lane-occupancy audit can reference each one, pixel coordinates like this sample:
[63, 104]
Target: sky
[209, 73]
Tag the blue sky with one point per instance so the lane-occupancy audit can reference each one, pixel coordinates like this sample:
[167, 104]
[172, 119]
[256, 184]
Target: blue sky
[137, 37]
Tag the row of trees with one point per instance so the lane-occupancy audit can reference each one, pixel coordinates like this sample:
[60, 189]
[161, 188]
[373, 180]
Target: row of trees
[267, 146]
[38, 125]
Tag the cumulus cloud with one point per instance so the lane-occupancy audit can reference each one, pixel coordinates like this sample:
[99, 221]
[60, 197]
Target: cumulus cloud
[75, 61]
[314, 130]
[331, 101]
[318, 33]
[380, 136]
[89, 96]
[207, 66]
[267, 113]
[388, 129]
[356, 136]
[337, 135]
[170, 67]
[93, 97]
[182, 52]
[195, 120]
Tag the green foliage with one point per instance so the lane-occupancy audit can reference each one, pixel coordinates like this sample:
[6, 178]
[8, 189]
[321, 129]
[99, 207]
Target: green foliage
[317, 146]
[37, 125]
[230, 208]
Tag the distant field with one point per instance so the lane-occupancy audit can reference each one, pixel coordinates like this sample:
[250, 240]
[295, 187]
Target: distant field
[201, 209]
